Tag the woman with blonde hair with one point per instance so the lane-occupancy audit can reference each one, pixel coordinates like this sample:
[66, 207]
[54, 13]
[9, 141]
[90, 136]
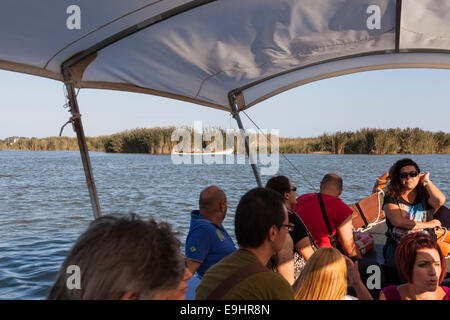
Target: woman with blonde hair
[325, 277]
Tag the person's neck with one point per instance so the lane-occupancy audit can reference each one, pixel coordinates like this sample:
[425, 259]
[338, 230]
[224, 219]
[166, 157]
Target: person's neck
[213, 217]
[330, 192]
[263, 253]
[286, 203]
[409, 195]
[413, 294]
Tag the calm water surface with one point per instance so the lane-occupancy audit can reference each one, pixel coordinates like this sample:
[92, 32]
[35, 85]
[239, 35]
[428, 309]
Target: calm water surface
[44, 203]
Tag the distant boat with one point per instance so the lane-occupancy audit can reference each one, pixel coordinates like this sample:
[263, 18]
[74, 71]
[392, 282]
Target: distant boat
[218, 152]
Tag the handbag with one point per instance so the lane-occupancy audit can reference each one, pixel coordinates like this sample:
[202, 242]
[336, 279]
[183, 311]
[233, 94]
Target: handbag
[443, 215]
[443, 240]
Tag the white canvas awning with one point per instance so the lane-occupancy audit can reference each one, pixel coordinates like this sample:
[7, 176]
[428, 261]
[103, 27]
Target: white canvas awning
[200, 51]
[224, 54]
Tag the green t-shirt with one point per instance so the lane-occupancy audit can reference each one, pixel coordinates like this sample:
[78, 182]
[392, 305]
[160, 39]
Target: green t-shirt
[259, 286]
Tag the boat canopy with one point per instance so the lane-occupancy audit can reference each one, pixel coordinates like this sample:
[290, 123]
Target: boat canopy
[204, 51]
[224, 54]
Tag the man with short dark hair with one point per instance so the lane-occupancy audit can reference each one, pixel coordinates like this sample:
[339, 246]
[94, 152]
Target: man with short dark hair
[338, 214]
[261, 228]
[120, 258]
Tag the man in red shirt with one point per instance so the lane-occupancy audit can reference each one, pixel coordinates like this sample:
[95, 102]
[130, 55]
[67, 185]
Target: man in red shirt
[338, 213]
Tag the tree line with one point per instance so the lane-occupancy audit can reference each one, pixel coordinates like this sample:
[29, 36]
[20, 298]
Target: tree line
[159, 141]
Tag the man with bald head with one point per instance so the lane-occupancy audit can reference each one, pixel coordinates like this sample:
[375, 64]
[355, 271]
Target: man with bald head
[338, 214]
[207, 241]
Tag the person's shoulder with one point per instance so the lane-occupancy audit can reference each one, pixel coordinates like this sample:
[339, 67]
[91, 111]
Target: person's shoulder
[330, 198]
[337, 203]
[201, 231]
[305, 198]
[391, 292]
[389, 200]
[293, 217]
[271, 278]
[447, 291]
[273, 284]
[200, 228]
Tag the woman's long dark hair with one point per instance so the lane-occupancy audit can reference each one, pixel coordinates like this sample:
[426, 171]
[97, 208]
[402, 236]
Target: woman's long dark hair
[280, 184]
[395, 188]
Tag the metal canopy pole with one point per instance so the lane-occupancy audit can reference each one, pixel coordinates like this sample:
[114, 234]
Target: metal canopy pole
[78, 127]
[237, 117]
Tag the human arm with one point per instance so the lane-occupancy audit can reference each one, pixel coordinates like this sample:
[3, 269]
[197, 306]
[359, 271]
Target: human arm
[354, 280]
[300, 236]
[304, 248]
[197, 248]
[285, 261]
[192, 265]
[397, 217]
[346, 239]
[436, 198]
[382, 296]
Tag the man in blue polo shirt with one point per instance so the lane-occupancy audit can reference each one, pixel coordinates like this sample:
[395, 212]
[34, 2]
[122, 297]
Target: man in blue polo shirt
[207, 241]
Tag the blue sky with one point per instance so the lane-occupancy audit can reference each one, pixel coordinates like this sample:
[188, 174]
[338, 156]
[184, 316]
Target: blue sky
[33, 107]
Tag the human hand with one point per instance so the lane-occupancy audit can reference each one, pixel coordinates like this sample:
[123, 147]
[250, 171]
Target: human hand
[435, 223]
[425, 178]
[353, 276]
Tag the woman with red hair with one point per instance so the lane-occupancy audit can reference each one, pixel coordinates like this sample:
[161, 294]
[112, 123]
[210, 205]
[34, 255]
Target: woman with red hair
[422, 265]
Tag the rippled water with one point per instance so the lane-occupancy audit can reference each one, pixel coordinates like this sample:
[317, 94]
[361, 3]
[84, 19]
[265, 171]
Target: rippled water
[44, 203]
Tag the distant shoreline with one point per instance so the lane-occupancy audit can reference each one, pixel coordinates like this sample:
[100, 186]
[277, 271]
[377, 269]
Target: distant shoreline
[158, 141]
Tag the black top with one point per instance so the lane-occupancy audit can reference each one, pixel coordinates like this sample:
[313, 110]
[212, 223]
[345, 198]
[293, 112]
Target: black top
[300, 230]
[417, 202]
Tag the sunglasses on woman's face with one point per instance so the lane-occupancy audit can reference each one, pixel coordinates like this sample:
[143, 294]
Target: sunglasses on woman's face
[412, 174]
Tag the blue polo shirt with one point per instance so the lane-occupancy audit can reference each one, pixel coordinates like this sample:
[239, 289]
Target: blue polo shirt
[206, 242]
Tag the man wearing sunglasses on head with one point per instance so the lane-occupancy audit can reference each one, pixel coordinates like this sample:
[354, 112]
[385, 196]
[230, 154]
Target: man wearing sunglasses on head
[409, 203]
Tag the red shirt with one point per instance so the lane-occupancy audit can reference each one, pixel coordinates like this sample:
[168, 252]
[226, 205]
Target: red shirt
[308, 209]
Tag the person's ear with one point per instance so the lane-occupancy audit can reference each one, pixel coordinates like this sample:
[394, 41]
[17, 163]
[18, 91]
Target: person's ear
[272, 233]
[223, 206]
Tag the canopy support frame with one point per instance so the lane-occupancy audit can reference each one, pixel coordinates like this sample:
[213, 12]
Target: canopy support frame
[78, 128]
[398, 17]
[234, 103]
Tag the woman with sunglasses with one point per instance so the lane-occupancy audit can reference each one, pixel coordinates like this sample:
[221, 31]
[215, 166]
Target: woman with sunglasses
[300, 246]
[411, 199]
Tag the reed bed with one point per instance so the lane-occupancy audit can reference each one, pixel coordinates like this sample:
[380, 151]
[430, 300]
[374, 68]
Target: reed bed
[159, 140]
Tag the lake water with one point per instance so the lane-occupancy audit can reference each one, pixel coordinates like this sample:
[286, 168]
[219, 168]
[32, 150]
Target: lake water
[44, 203]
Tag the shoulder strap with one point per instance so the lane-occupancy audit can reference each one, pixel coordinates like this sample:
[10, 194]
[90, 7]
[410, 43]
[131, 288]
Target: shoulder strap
[333, 240]
[235, 278]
